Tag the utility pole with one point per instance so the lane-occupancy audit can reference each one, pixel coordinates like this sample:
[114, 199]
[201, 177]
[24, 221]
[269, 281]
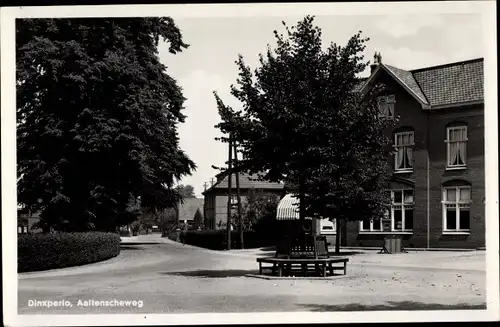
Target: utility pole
[229, 194]
[237, 175]
[212, 181]
[205, 185]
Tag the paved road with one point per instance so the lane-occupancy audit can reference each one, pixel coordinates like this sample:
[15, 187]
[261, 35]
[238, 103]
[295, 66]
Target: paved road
[172, 278]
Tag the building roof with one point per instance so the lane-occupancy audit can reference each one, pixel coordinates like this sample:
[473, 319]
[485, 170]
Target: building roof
[440, 86]
[407, 78]
[247, 181]
[451, 84]
[189, 207]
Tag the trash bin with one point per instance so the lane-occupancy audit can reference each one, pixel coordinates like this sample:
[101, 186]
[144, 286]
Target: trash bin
[397, 244]
[389, 244]
[393, 244]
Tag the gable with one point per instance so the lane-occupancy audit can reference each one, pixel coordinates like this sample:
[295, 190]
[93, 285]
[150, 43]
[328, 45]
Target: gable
[403, 78]
[437, 87]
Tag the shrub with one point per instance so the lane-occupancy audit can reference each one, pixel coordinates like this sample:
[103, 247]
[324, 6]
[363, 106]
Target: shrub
[216, 239]
[49, 251]
[198, 219]
[167, 221]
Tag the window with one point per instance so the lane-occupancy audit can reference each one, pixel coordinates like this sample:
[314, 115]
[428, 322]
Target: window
[456, 208]
[403, 144]
[386, 105]
[372, 225]
[402, 210]
[399, 218]
[456, 143]
[328, 225]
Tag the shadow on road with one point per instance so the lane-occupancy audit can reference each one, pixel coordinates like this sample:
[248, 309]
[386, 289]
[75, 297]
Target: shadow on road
[344, 253]
[212, 273]
[392, 305]
[130, 247]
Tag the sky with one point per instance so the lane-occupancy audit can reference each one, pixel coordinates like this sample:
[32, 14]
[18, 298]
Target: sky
[404, 41]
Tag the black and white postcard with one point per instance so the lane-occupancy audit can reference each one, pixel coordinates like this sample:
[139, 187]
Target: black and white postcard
[249, 163]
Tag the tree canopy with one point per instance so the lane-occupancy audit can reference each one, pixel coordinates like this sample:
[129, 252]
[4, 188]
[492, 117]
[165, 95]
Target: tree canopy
[303, 122]
[97, 118]
[186, 191]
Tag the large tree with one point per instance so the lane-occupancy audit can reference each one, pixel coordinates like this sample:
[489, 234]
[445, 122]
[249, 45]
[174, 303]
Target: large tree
[303, 122]
[97, 118]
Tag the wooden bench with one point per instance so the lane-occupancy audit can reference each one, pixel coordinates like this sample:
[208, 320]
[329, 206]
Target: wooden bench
[287, 265]
[310, 251]
[308, 247]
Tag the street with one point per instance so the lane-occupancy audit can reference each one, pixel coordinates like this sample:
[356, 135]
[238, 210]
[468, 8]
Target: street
[173, 278]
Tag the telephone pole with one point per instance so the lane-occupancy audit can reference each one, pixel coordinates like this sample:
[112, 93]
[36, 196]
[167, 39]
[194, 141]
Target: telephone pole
[237, 176]
[229, 194]
[205, 185]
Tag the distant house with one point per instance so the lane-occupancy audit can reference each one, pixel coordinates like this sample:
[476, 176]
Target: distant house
[187, 208]
[215, 198]
[26, 220]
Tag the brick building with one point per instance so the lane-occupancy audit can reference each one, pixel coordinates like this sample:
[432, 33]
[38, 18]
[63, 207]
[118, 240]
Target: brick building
[438, 185]
[215, 204]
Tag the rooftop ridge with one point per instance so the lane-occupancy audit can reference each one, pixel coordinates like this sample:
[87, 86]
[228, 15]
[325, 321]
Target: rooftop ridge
[444, 65]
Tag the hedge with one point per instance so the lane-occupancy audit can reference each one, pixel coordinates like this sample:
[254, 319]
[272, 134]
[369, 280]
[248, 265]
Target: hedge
[216, 239]
[49, 251]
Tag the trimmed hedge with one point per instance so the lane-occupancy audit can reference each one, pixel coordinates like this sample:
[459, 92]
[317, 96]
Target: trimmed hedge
[49, 251]
[216, 239]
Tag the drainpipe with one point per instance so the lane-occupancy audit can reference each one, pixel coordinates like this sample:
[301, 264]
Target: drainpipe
[428, 203]
[428, 185]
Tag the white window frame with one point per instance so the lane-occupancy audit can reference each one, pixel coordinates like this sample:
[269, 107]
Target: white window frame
[388, 100]
[457, 204]
[405, 148]
[404, 206]
[390, 214]
[371, 230]
[448, 142]
[328, 231]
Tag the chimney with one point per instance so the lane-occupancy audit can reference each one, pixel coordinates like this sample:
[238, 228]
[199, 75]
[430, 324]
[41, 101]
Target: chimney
[377, 59]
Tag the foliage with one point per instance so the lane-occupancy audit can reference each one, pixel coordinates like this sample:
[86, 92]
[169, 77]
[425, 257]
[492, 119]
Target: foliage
[149, 219]
[59, 250]
[198, 219]
[97, 120]
[304, 123]
[186, 191]
[167, 221]
[257, 207]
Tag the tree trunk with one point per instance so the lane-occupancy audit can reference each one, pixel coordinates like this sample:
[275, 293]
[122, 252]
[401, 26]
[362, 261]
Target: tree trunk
[337, 236]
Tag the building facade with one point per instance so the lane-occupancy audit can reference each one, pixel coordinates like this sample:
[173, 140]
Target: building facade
[438, 182]
[216, 197]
